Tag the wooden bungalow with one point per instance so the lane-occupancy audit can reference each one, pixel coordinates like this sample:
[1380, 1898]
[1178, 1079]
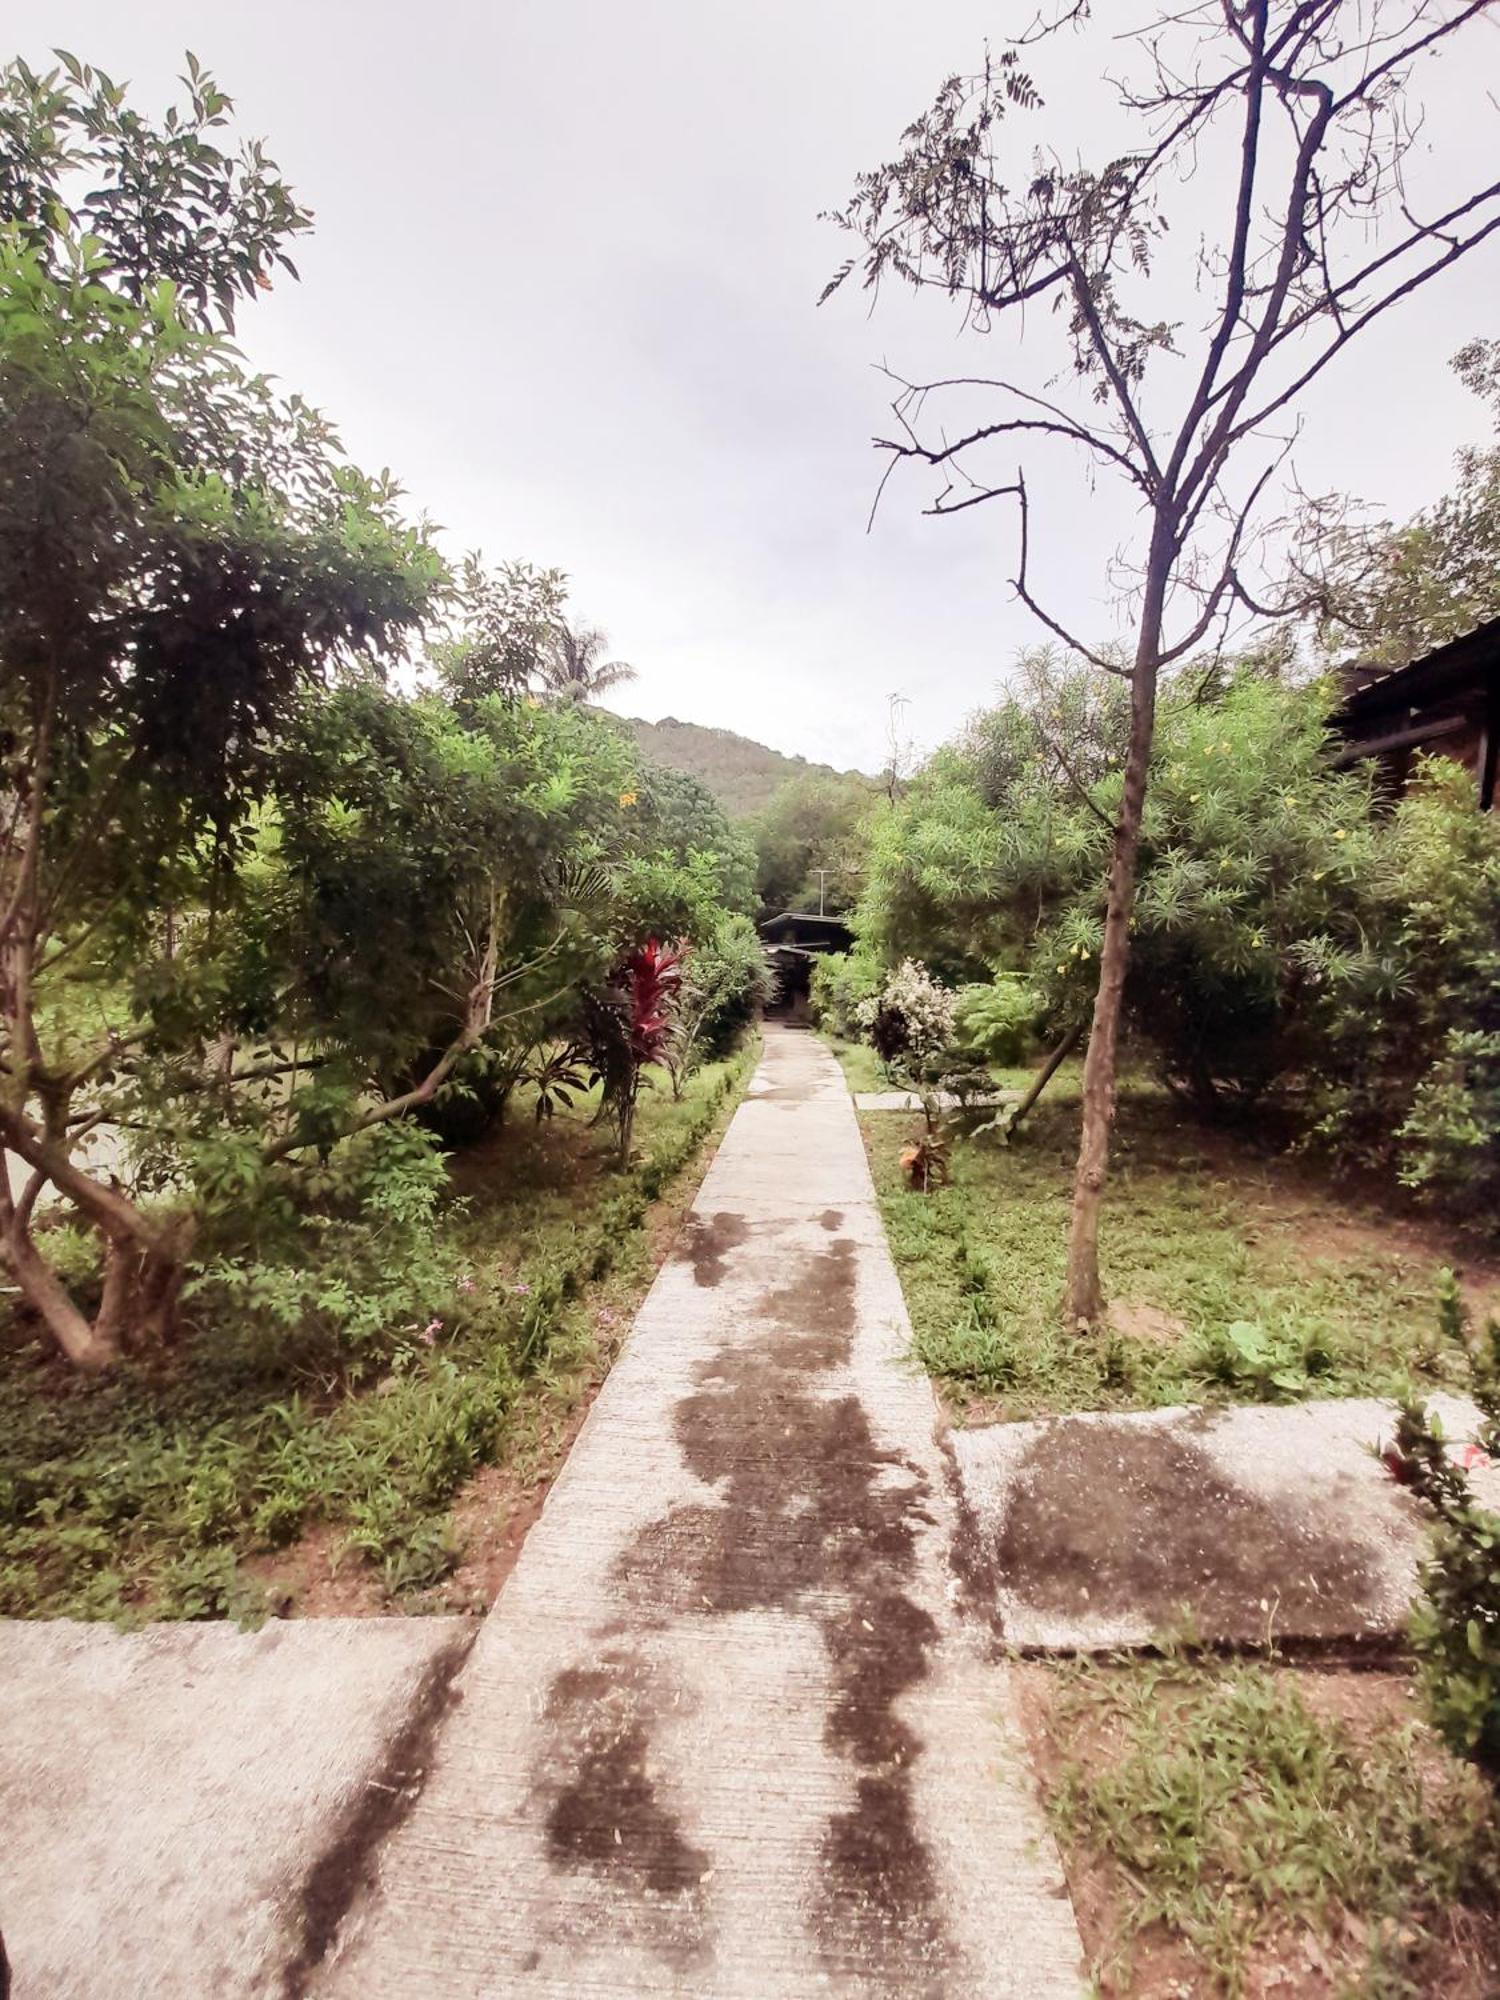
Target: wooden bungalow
[1446, 703]
[791, 942]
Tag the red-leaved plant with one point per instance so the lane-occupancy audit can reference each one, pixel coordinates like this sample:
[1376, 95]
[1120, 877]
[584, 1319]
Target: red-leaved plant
[628, 1028]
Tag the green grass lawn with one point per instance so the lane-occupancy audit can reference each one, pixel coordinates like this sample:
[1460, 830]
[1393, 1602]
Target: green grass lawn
[1234, 1828]
[863, 1069]
[161, 1491]
[1235, 1274]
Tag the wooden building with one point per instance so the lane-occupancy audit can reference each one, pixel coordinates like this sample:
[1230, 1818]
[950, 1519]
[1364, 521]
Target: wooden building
[1447, 703]
[792, 941]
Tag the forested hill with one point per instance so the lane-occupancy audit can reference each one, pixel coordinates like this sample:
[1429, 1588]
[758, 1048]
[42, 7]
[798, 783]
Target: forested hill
[742, 774]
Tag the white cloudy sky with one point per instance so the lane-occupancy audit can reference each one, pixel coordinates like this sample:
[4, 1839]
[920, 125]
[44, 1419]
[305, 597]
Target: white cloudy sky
[563, 282]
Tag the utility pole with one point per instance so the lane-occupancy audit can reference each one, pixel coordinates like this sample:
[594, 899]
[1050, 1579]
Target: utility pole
[822, 876]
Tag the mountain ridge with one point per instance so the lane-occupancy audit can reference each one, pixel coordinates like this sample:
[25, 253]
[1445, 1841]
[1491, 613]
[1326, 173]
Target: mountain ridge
[743, 774]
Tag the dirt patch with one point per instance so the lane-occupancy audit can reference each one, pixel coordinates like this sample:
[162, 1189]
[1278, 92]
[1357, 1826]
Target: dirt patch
[317, 1578]
[345, 1872]
[706, 1243]
[1290, 1963]
[496, 1511]
[604, 1813]
[1134, 1319]
[832, 1219]
[1287, 1197]
[1121, 1521]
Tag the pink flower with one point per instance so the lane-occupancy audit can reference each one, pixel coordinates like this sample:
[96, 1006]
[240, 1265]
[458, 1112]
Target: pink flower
[430, 1332]
[1472, 1459]
[521, 1289]
[466, 1283]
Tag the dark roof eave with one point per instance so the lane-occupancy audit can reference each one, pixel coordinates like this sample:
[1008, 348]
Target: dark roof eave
[1449, 670]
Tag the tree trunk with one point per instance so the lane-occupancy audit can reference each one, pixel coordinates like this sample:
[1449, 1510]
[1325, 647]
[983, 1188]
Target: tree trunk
[1044, 1076]
[1084, 1303]
[145, 1260]
[91, 1348]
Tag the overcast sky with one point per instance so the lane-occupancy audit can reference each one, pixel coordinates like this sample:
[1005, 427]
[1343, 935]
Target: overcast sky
[563, 283]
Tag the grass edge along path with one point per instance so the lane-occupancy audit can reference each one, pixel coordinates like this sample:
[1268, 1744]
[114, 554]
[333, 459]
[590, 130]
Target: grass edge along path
[119, 1502]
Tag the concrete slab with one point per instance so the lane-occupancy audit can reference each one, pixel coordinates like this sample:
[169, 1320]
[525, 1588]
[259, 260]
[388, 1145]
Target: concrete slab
[727, 1731]
[908, 1100]
[182, 1807]
[1237, 1525]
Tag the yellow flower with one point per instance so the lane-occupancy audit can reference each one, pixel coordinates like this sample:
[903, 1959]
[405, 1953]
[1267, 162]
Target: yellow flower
[1223, 746]
[1291, 798]
[1193, 798]
[627, 798]
[1318, 876]
[1339, 834]
[1062, 968]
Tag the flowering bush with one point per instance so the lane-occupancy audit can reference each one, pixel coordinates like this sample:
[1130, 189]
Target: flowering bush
[911, 1020]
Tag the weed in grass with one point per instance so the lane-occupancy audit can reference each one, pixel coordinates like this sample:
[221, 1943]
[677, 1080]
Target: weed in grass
[1234, 1817]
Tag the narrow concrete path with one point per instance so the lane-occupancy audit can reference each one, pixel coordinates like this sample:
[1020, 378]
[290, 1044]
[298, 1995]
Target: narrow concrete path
[728, 1730]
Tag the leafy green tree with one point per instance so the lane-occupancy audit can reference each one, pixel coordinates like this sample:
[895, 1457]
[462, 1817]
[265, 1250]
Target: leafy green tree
[1408, 1071]
[677, 817]
[1253, 863]
[438, 881]
[999, 826]
[503, 622]
[159, 202]
[574, 667]
[180, 554]
[807, 843]
[725, 979]
[1391, 593]
[1308, 109]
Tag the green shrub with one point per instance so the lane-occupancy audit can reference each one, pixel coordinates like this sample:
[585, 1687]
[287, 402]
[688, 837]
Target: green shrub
[138, 1495]
[998, 1023]
[1456, 1625]
[842, 982]
[1409, 1077]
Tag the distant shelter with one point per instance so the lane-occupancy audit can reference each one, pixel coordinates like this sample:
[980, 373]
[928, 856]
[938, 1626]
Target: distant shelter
[792, 941]
[1447, 703]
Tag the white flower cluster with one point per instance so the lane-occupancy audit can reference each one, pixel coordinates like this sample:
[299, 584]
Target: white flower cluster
[926, 1008]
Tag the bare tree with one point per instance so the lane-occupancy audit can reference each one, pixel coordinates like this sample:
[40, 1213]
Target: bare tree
[1302, 113]
[575, 668]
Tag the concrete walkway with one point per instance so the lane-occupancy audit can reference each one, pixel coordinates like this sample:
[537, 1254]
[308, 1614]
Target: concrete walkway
[728, 1730]
[1238, 1525]
[176, 1804]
